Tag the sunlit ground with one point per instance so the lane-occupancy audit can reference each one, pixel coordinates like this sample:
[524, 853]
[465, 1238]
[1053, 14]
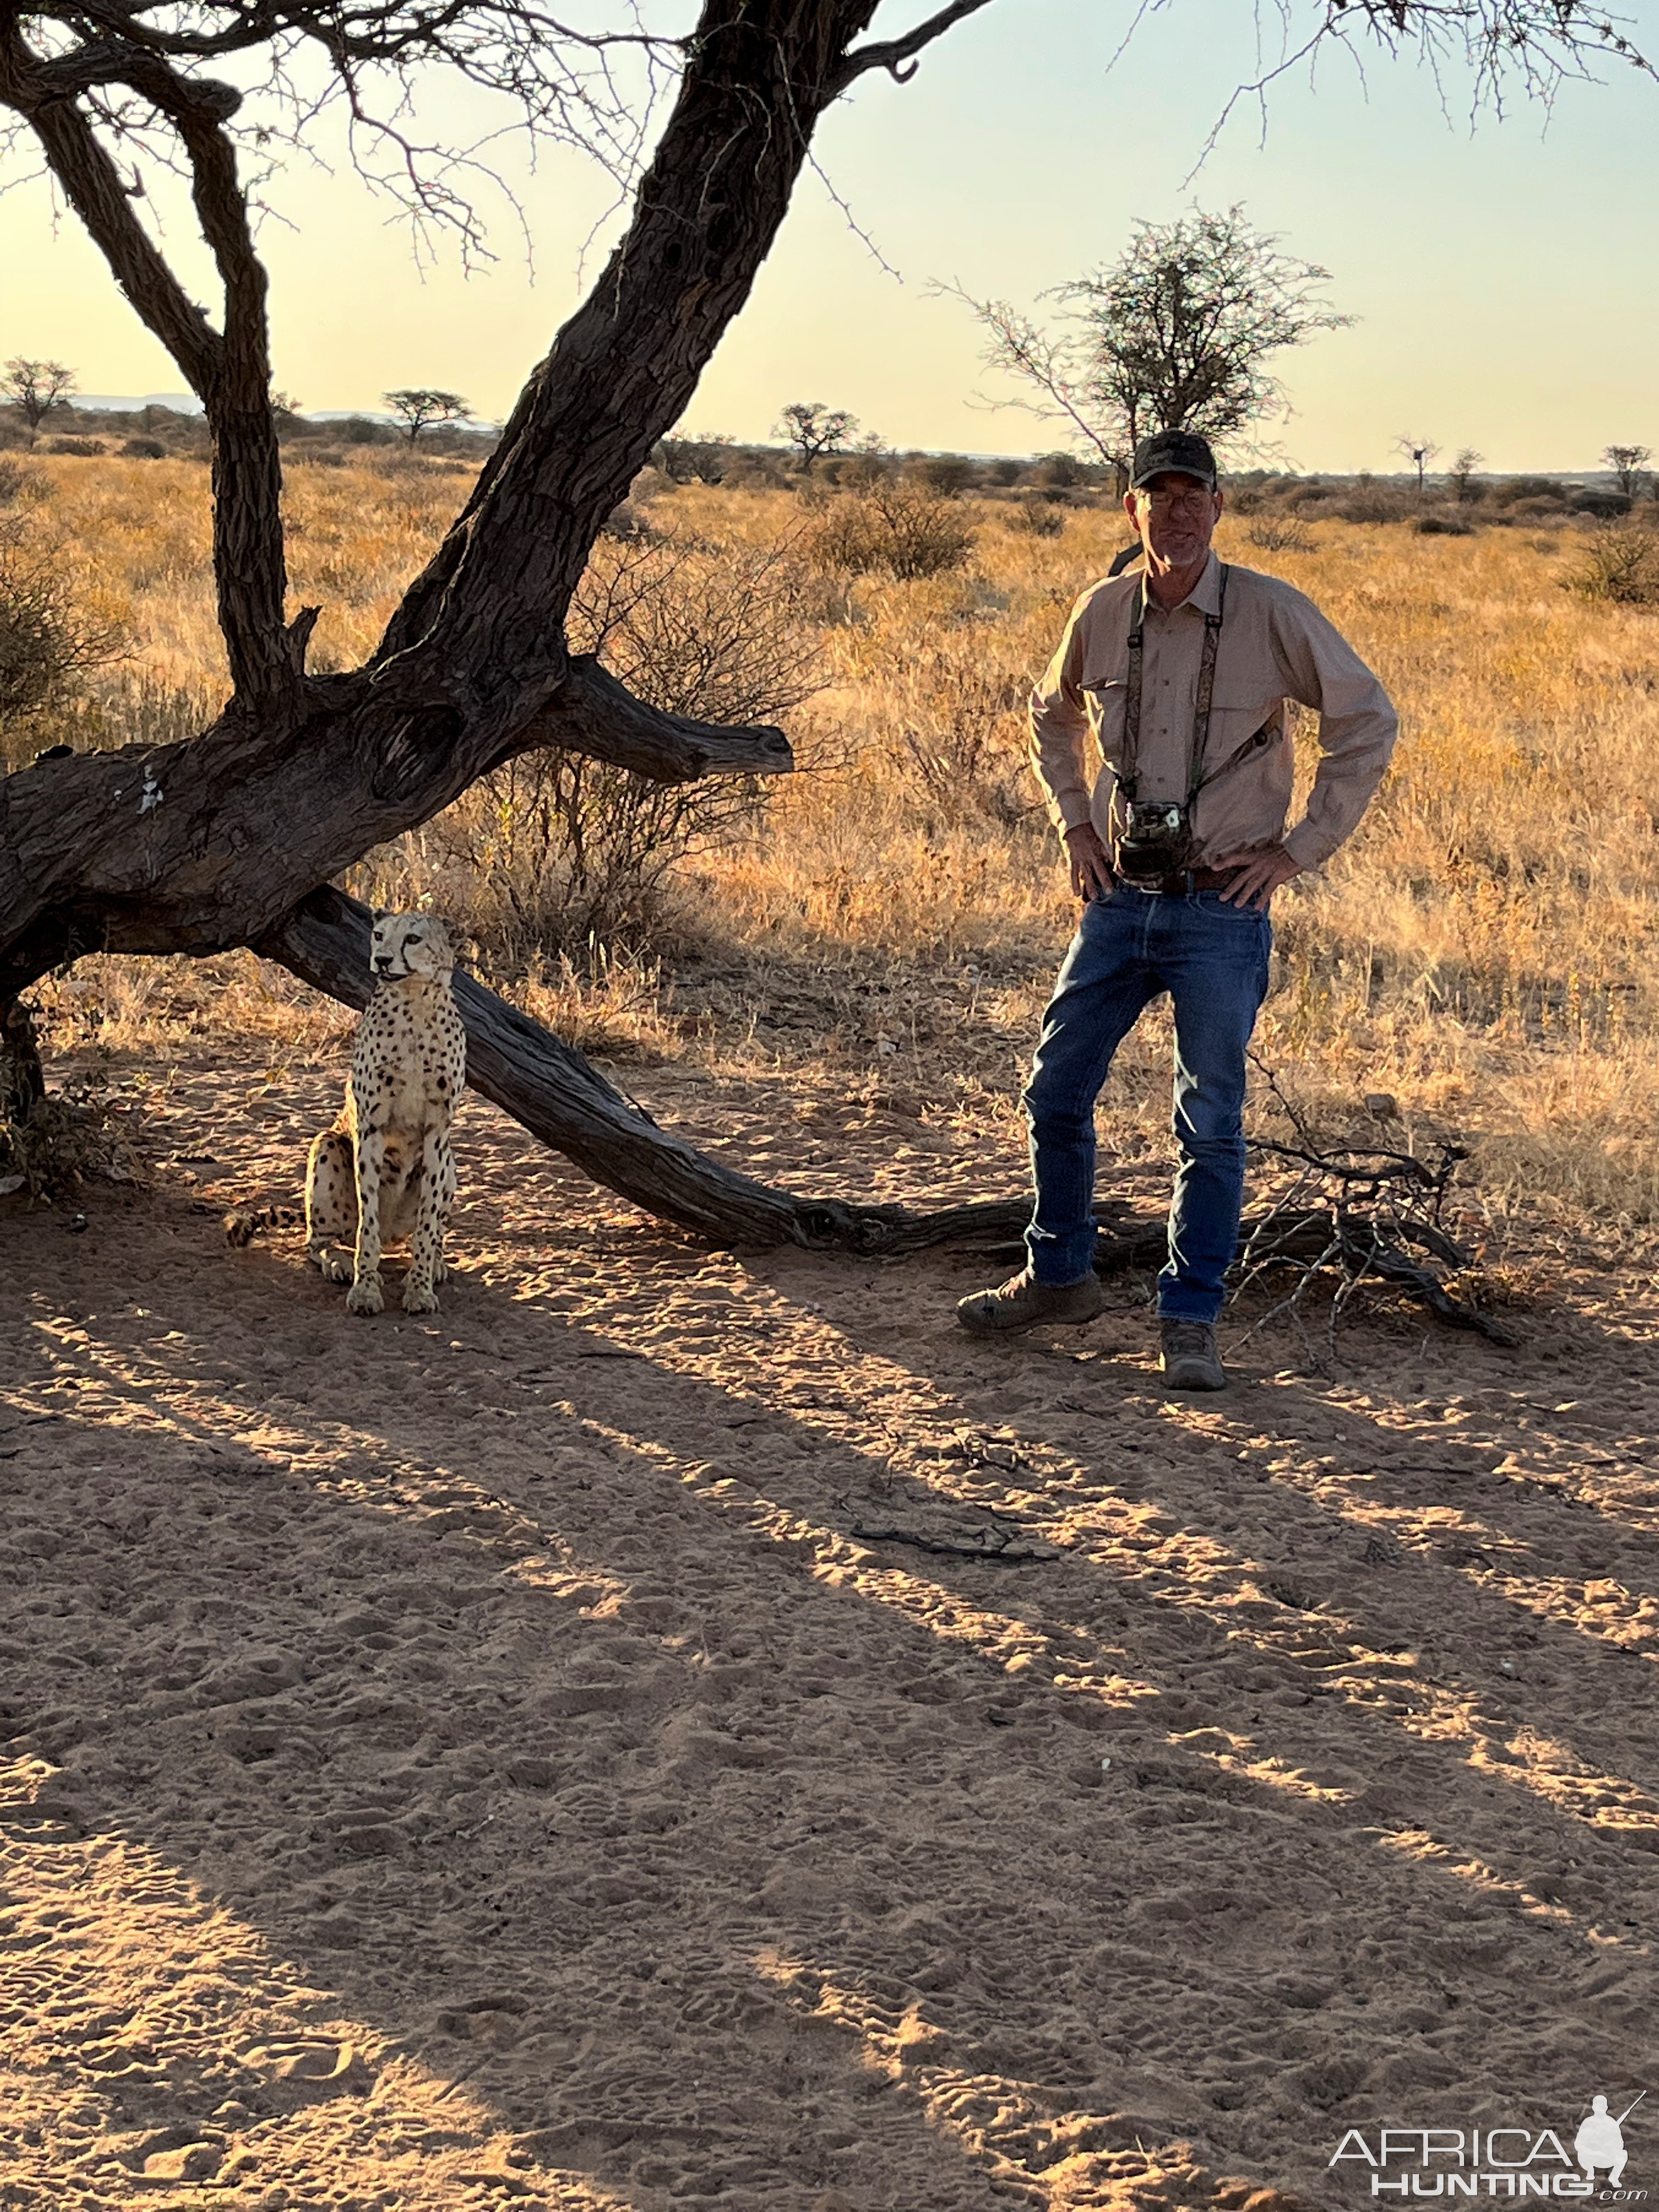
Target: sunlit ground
[481, 1759]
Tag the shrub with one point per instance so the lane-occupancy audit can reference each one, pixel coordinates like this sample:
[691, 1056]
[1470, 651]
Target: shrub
[47, 642]
[1442, 526]
[556, 851]
[85, 448]
[1281, 533]
[1621, 563]
[947, 473]
[1514, 489]
[899, 529]
[1036, 517]
[12, 480]
[1057, 472]
[143, 449]
[1370, 502]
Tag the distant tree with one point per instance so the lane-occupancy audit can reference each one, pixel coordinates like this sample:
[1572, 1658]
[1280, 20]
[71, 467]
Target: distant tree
[37, 389]
[1627, 464]
[703, 459]
[1420, 452]
[814, 429]
[419, 410]
[1461, 475]
[1177, 334]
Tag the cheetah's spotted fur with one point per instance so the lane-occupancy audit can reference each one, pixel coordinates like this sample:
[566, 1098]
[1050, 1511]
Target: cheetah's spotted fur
[385, 1169]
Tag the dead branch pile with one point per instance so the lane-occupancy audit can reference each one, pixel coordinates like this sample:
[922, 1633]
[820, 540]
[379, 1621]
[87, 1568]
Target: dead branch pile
[1361, 1214]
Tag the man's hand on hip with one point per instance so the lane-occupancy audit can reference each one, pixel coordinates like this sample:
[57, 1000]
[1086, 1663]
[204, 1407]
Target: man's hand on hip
[1092, 865]
[1259, 876]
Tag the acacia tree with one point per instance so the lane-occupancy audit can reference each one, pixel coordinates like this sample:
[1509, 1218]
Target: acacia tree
[37, 389]
[416, 409]
[234, 837]
[1178, 334]
[1628, 463]
[1461, 475]
[814, 429]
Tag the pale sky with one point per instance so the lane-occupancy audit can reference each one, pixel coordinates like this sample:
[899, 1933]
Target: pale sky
[1502, 276]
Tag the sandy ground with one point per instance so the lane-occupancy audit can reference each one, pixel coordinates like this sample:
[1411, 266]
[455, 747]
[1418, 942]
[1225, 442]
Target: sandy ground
[479, 1759]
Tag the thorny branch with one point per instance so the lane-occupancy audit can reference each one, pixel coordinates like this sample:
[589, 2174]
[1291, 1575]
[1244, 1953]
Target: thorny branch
[1360, 1213]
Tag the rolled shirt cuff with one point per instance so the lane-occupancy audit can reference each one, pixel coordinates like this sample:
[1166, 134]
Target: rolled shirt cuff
[1308, 848]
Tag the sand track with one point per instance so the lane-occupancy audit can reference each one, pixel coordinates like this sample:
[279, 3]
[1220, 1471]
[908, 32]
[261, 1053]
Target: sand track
[473, 1761]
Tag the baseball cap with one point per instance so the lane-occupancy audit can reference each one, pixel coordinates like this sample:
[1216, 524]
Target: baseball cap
[1182, 452]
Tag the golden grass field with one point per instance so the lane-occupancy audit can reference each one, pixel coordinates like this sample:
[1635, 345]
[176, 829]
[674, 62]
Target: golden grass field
[1479, 950]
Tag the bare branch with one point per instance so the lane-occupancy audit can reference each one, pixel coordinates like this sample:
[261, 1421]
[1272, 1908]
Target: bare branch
[893, 54]
[94, 190]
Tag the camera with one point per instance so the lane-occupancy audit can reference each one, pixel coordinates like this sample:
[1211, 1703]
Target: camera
[1157, 839]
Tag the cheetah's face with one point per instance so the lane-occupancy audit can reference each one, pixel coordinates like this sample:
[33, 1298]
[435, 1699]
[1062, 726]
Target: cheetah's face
[410, 945]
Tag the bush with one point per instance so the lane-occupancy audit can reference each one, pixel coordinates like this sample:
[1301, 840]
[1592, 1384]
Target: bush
[1620, 564]
[85, 448]
[1057, 472]
[12, 481]
[47, 642]
[1442, 526]
[946, 473]
[1370, 502]
[899, 529]
[1281, 533]
[556, 851]
[359, 430]
[143, 449]
[1037, 516]
[1515, 489]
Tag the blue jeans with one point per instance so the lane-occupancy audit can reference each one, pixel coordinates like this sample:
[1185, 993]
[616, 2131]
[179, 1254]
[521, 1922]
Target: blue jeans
[1131, 945]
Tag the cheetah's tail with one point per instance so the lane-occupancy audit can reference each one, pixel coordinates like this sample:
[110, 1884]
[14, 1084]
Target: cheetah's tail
[249, 1222]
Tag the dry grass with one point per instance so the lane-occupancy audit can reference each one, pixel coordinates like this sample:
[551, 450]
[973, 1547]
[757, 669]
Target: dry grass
[1481, 949]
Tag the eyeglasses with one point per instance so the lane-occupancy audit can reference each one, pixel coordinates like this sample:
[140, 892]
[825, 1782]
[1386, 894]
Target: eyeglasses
[1164, 501]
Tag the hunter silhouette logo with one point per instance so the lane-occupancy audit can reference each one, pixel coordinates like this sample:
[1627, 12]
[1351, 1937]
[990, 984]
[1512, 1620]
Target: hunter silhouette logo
[1506, 2162]
[1600, 2140]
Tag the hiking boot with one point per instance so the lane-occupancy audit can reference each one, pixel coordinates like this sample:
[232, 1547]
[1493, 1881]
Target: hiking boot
[1192, 1359]
[1024, 1303]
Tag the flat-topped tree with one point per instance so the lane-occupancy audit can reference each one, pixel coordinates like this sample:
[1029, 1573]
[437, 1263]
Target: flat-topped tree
[38, 390]
[233, 838]
[419, 410]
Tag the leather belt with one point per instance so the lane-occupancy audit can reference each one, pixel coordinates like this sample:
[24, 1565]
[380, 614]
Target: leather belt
[1185, 880]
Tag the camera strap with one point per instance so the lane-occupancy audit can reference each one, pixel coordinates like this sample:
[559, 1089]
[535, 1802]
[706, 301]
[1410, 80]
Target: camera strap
[1128, 772]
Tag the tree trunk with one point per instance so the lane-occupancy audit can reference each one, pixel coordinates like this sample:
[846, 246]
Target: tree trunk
[559, 1097]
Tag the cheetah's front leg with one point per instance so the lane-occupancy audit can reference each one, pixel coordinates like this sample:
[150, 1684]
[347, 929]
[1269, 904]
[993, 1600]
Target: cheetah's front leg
[437, 1189]
[365, 1296]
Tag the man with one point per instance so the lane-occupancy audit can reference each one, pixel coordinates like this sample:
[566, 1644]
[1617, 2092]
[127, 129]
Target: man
[1181, 672]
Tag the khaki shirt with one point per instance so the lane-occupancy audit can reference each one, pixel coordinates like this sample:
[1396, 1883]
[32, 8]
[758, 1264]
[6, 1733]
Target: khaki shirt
[1274, 645]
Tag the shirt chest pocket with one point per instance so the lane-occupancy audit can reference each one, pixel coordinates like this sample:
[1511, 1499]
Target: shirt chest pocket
[1107, 695]
[1239, 716]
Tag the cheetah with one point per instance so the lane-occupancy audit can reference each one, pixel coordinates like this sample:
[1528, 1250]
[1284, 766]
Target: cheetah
[384, 1170]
